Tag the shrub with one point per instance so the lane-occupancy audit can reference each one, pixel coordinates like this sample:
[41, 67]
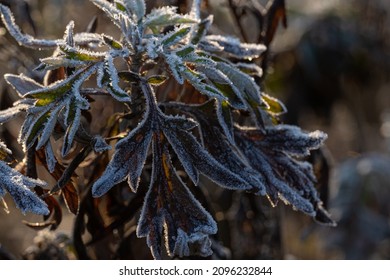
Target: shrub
[188, 102]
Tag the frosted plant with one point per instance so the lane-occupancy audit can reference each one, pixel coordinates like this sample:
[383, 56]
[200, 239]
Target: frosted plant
[18, 186]
[230, 134]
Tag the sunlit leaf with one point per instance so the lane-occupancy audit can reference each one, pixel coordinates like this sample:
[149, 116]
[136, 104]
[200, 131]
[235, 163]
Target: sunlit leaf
[170, 207]
[164, 16]
[233, 47]
[275, 106]
[157, 80]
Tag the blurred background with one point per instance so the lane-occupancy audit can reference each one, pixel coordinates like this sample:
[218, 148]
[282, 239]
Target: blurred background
[330, 66]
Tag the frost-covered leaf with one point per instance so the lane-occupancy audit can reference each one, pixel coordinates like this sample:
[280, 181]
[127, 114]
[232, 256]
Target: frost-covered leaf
[48, 94]
[50, 63]
[245, 84]
[185, 52]
[107, 7]
[195, 159]
[197, 80]
[128, 159]
[112, 42]
[33, 125]
[108, 78]
[69, 34]
[48, 127]
[87, 39]
[176, 65]
[118, 15]
[22, 84]
[100, 145]
[233, 47]
[248, 88]
[72, 120]
[250, 68]
[175, 36]
[220, 147]
[170, 207]
[61, 96]
[285, 178]
[75, 53]
[13, 111]
[165, 16]
[51, 160]
[136, 7]
[293, 141]
[23, 39]
[225, 86]
[18, 186]
[201, 30]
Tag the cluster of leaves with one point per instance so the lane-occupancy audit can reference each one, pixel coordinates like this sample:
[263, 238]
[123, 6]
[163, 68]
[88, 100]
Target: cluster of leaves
[232, 138]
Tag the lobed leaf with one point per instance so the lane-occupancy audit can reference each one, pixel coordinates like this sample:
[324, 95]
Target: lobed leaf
[170, 207]
[284, 177]
[194, 158]
[292, 140]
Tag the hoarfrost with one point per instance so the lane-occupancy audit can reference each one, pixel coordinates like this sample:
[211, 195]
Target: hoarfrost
[23, 39]
[18, 186]
[233, 47]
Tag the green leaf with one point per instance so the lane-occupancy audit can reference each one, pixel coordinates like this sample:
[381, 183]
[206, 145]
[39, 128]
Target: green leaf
[112, 42]
[157, 80]
[120, 7]
[202, 29]
[36, 129]
[275, 106]
[175, 36]
[80, 54]
[185, 51]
